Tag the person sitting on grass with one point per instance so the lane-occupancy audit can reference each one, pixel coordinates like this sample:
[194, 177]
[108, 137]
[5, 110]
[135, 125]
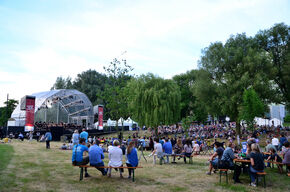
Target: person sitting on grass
[96, 157]
[216, 157]
[257, 163]
[187, 149]
[276, 158]
[77, 155]
[115, 157]
[63, 147]
[227, 162]
[131, 157]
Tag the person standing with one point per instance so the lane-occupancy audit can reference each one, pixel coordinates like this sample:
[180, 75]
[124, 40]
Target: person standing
[30, 136]
[96, 156]
[75, 137]
[84, 135]
[275, 142]
[48, 138]
[38, 136]
[131, 157]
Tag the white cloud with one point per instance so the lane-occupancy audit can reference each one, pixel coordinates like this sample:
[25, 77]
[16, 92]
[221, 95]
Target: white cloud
[162, 37]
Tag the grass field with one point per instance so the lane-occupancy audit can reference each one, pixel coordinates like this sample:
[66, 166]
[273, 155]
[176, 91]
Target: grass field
[29, 166]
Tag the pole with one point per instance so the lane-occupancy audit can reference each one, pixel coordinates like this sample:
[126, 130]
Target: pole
[7, 115]
[57, 112]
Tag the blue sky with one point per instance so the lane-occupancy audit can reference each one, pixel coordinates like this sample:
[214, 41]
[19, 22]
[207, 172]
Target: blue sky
[43, 39]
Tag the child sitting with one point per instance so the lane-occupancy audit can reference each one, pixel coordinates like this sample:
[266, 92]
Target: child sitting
[276, 158]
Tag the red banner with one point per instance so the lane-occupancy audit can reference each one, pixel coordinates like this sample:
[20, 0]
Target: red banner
[30, 106]
[100, 115]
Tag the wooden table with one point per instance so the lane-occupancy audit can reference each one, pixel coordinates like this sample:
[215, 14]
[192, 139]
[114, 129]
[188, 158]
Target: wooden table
[242, 161]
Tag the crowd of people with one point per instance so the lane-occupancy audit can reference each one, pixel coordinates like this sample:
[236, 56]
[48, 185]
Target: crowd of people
[44, 126]
[223, 158]
[96, 156]
[165, 146]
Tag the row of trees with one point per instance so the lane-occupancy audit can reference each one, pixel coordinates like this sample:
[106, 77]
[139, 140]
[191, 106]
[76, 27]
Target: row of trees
[238, 78]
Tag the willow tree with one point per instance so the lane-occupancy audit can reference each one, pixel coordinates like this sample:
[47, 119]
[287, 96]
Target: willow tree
[153, 100]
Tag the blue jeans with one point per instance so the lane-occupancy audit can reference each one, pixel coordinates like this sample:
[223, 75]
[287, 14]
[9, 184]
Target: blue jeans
[253, 174]
[104, 172]
[167, 157]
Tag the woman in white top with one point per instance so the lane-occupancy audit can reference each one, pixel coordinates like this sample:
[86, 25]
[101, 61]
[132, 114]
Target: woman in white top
[196, 147]
[115, 157]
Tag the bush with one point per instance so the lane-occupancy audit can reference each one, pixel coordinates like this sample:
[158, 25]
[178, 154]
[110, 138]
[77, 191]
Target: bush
[287, 118]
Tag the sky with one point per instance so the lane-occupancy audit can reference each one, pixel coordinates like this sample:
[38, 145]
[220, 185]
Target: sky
[41, 40]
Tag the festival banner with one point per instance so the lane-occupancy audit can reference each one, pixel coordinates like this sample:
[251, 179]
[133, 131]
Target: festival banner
[100, 117]
[29, 120]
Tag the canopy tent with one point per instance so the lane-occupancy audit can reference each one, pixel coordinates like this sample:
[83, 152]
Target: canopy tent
[129, 122]
[276, 122]
[262, 122]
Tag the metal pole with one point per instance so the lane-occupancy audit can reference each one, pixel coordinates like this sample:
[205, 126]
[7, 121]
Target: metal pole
[57, 112]
[7, 115]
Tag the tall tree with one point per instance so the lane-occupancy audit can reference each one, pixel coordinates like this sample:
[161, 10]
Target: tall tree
[115, 93]
[206, 93]
[92, 83]
[276, 41]
[235, 66]
[251, 107]
[185, 82]
[5, 112]
[154, 101]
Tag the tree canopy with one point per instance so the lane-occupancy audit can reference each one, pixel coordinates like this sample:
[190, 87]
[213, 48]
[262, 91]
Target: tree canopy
[153, 100]
[251, 107]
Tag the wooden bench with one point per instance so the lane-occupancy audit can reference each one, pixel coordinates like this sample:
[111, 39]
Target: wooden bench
[105, 167]
[261, 174]
[276, 163]
[224, 172]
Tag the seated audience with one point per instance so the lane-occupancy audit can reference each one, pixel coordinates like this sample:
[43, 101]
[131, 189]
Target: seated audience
[187, 150]
[257, 163]
[77, 155]
[178, 148]
[115, 157]
[227, 162]
[215, 158]
[131, 157]
[286, 155]
[167, 147]
[96, 157]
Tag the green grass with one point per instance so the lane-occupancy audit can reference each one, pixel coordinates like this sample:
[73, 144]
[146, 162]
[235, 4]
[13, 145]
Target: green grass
[234, 187]
[6, 153]
[33, 168]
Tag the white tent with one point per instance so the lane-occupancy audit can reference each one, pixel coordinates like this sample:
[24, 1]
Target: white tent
[262, 122]
[275, 122]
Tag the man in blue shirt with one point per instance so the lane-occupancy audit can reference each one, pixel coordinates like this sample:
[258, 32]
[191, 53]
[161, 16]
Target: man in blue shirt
[84, 135]
[48, 138]
[96, 155]
[77, 155]
[167, 148]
